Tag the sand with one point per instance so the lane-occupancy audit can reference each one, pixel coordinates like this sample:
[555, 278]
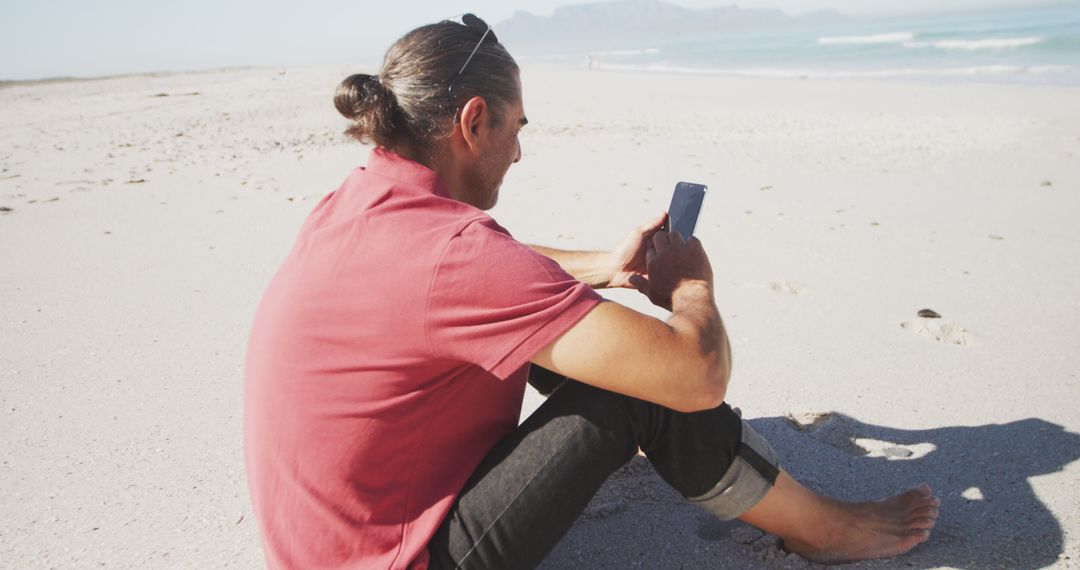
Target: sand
[141, 217]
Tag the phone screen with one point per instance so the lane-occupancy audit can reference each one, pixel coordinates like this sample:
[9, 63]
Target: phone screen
[685, 207]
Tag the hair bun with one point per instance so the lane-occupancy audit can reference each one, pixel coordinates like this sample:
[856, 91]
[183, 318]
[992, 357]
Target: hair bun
[370, 104]
[359, 93]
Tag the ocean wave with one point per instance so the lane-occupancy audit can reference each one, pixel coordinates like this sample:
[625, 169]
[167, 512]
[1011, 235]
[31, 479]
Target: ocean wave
[885, 73]
[1006, 70]
[890, 38]
[986, 43]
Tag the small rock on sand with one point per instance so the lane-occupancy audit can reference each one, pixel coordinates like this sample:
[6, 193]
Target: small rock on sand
[897, 452]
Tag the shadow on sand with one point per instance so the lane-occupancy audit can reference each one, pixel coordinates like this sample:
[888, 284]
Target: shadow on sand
[991, 516]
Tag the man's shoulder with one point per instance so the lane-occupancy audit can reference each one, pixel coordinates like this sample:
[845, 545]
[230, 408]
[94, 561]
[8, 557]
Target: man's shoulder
[481, 226]
[489, 253]
[483, 236]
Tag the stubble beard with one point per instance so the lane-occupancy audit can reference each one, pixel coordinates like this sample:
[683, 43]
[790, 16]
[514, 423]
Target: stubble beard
[486, 182]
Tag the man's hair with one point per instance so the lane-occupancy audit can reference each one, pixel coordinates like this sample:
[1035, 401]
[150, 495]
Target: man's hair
[408, 101]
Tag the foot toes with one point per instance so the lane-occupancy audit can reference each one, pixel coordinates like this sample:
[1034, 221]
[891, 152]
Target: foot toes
[922, 523]
[916, 494]
[921, 533]
[926, 511]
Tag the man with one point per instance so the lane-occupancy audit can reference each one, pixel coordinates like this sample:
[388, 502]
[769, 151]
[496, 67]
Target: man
[389, 356]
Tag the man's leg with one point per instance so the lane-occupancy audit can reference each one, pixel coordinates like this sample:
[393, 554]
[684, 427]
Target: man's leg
[532, 486]
[831, 531]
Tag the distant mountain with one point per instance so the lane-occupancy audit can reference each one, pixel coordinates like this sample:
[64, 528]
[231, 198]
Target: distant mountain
[634, 23]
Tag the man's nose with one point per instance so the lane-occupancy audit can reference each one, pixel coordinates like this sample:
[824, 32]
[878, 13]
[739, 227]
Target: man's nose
[517, 158]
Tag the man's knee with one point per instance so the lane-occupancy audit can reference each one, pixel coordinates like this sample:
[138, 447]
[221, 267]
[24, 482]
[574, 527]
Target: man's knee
[751, 475]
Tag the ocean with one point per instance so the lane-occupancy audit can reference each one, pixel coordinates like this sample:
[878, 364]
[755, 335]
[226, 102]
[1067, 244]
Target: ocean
[1033, 46]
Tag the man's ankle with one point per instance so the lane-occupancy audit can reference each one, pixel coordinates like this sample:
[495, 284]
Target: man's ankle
[821, 531]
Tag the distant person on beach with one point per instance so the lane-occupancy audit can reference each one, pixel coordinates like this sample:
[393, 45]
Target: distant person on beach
[389, 356]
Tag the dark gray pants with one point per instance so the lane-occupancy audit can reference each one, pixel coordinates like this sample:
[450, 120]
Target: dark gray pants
[529, 489]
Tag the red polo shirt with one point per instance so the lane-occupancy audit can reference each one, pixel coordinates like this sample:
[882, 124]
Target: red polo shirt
[388, 355]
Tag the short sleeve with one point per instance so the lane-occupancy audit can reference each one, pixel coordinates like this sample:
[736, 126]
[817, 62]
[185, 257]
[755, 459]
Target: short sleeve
[495, 302]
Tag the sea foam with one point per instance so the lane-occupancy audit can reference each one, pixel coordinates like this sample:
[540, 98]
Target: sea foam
[986, 43]
[890, 38]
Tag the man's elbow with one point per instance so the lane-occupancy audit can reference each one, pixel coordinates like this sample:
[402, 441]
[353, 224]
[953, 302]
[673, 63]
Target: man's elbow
[709, 392]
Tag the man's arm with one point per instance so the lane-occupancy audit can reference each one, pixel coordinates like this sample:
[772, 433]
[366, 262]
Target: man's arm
[683, 364]
[593, 268]
[622, 267]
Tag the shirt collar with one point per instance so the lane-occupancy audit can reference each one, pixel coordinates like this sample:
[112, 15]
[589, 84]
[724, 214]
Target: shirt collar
[391, 165]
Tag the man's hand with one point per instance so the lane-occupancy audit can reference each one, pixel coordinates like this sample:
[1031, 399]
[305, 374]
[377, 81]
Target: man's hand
[676, 267]
[628, 263]
[683, 363]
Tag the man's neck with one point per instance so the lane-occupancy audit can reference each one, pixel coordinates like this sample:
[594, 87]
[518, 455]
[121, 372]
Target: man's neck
[439, 160]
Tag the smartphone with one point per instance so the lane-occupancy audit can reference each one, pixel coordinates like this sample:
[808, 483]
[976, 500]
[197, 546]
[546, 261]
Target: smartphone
[685, 207]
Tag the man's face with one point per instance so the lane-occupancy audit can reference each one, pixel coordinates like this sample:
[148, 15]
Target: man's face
[501, 149]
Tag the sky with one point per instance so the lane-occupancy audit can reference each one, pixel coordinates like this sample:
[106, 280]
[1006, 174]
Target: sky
[84, 38]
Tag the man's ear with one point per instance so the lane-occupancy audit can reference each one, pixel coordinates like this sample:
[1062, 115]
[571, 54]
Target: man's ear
[474, 115]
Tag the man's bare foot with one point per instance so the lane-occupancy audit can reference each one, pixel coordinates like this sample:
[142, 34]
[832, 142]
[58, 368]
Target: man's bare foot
[827, 530]
[878, 529]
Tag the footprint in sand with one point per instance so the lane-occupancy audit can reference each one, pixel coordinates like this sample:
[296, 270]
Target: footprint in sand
[603, 509]
[828, 428]
[780, 286]
[785, 287]
[893, 451]
[789, 288]
[929, 324]
[838, 431]
[766, 548]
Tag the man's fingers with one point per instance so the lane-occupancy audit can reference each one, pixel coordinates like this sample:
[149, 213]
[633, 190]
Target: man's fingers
[661, 241]
[653, 225]
[639, 282]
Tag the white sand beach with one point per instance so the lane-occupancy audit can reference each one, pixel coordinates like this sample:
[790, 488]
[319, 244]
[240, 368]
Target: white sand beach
[142, 216]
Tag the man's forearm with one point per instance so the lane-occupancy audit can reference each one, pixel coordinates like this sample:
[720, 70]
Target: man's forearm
[694, 313]
[589, 267]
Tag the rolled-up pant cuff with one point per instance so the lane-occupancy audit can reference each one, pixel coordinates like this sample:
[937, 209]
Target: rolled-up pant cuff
[751, 475]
